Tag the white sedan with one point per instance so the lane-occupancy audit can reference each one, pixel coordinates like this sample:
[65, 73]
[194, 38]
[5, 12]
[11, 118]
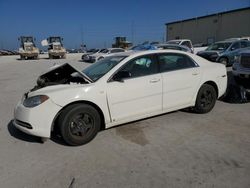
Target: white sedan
[118, 89]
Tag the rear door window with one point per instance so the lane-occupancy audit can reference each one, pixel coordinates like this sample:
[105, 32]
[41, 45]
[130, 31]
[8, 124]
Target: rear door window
[174, 61]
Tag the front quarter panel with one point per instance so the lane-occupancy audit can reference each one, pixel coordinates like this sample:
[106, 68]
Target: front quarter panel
[90, 93]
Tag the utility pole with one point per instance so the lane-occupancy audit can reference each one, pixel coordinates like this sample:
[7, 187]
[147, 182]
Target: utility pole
[132, 32]
[82, 37]
[1, 44]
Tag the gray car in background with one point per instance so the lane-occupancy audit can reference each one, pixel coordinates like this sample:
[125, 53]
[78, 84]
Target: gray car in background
[241, 66]
[174, 47]
[224, 51]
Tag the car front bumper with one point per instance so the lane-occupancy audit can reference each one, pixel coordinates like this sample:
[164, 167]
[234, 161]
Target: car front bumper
[240, 71]
[38, 120]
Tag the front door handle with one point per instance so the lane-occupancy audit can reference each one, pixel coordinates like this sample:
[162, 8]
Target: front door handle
[154, 80]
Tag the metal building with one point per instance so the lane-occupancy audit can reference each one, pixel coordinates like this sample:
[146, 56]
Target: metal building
[211, 28]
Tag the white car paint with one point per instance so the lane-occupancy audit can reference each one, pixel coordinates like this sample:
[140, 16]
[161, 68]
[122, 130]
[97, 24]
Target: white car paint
[122, 102]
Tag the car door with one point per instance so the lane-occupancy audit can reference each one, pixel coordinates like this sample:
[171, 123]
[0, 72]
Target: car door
[138, 94]
[180, 78]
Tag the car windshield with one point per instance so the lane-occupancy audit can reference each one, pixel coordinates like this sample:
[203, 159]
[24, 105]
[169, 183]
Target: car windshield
[100, 68]
[219, 46]
[104, 51]
[54, 39]
[27, 39]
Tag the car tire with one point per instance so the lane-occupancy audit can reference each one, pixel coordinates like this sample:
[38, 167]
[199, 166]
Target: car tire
[205, 99]
[79, 124]
[224, 61]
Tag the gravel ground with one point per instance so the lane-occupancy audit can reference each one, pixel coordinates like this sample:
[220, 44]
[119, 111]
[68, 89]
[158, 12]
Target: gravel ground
[178, 149]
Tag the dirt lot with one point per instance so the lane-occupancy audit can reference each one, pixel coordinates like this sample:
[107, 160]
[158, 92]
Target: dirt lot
[178, 149]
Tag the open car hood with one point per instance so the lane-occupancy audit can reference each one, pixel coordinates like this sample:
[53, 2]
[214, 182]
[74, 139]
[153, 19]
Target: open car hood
[62, 74]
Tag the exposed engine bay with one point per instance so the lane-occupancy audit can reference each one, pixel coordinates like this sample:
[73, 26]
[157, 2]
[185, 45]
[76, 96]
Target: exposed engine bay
[64, 74]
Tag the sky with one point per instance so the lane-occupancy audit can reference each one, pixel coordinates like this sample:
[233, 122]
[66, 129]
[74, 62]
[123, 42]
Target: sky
[95, 23]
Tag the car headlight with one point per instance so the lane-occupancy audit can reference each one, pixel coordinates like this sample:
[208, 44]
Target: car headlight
[236, 59]
[35, 101]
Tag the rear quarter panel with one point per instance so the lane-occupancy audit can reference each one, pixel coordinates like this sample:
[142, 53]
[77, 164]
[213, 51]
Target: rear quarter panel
[213, 72]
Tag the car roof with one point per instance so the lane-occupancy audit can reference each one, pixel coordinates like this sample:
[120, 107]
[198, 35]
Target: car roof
[147, 52]
[179, 40]
[226, 41]
[115, 48]
[175, 45]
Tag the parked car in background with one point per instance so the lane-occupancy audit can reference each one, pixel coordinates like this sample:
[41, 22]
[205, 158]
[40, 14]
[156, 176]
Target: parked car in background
[73, 51]
[85, 56]
[120, 88]
[143, 47]
[173, 47]
[8, 52]
[241, 66]
[104, 53]
[240, 38]
[224, 51]
[183, 42]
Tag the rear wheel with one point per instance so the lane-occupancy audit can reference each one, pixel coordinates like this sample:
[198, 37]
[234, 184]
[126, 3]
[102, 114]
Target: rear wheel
[206, 99]
[79, 124]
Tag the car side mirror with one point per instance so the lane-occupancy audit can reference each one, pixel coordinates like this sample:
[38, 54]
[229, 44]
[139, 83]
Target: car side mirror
[121, 75]
[232, 49]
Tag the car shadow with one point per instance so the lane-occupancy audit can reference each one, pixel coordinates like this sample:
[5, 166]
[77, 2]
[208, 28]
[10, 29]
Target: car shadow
[14, 132]
[238, 91]
[17, 134]
[27, 59]
[57, 139]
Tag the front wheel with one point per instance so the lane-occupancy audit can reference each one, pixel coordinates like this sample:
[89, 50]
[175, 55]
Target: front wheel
[79, 124]
[224, 61]
[205, 100]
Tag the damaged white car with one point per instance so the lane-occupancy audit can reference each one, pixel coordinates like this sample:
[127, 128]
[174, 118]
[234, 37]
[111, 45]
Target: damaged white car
[118, 89]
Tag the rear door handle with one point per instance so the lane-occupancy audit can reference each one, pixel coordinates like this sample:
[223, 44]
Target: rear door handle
[154, 80]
